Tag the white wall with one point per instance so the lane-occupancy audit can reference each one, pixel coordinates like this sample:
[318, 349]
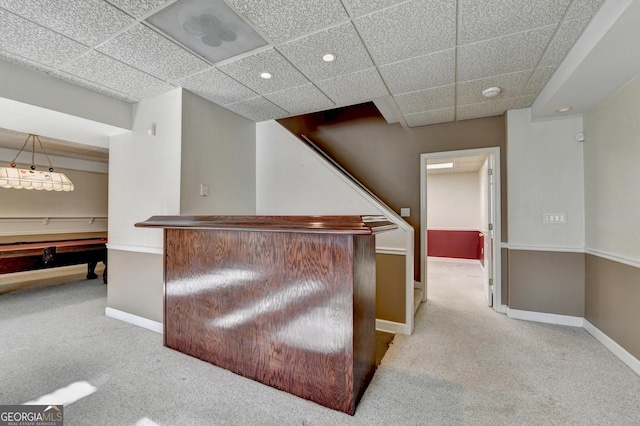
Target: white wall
[218, 150]
[292, 180]
[612, 173]
[144, 172]
[454, 201]
[545, 175]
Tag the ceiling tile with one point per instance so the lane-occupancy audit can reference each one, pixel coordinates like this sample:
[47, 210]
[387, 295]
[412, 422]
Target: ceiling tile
[257, 109]
[563, 41]
[352, 88]
[247, 71]
[503, 55]
[426, 100]
[524, 101]
[145, 49]
[138, 7]
[69, 78]
[217, 87]
[362, 7]
[414, 28]
[19, 60]
[470, 92]
[300, 99]
[343, 41]
[104, 70]
[482, 20]
[485, 109]
[430, 117]
[33, 42]
[538, 80]
[85, 21]
[282, 20]
[581, 8]
[423, 72]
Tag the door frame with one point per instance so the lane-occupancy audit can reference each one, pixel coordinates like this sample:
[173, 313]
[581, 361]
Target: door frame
[497, 225]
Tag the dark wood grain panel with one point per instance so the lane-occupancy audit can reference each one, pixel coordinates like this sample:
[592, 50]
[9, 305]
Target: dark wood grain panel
[274, 307]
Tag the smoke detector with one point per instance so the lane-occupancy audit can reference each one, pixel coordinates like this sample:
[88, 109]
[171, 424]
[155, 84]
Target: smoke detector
[490, 92]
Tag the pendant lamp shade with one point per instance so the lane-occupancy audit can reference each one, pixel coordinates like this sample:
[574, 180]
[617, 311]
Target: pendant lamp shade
[14, 177]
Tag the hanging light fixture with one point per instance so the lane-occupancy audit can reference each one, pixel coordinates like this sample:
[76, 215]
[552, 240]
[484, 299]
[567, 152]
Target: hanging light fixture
[13, 177]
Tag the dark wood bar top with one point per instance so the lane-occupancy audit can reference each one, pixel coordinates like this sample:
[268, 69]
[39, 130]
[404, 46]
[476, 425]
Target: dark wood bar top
[356, 225]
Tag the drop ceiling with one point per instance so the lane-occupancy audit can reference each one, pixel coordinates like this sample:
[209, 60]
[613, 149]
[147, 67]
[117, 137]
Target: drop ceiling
[426, 60]
[468, 164]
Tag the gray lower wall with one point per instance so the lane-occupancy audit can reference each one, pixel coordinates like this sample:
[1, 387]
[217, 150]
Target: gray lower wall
[612, 292]
[549, 282]
[136, 283]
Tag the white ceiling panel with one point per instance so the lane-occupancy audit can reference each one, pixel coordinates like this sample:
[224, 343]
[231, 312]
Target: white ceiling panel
[69, 78]
[138, 7]
[430, 117]
[282, 20]
[300, 99]
[426, 100]
[564, 39]
[422, 72]
[362, 7]
[86, 21]
[257, 109]
[410, 29]
[409, 48]
[247, 71]
[503, 55]
[482, 20]
[470, 92]
[582, 8]
[217, 87]
[538, 80]
[485, 109]
[24, 38]
[343, 41]
[353, 88]
[146, 50]
[100, 68]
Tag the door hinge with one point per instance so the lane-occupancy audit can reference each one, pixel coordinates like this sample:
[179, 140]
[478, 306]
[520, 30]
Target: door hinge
[491, 227]
[490, 172]
[491, 282]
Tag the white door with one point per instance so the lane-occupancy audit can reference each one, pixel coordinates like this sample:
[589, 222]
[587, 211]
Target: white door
[489, 234]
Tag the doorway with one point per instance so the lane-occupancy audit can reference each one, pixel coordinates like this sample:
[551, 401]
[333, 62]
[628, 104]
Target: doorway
[486, 162]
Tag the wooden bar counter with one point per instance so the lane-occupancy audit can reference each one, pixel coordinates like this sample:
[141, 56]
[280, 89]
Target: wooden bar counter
[288, 301]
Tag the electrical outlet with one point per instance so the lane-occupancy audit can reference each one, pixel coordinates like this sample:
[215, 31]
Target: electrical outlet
[204, 190]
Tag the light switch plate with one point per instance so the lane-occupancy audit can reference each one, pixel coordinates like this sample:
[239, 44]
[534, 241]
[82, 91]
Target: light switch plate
[204, 190]
[555, 218]
[405, 212]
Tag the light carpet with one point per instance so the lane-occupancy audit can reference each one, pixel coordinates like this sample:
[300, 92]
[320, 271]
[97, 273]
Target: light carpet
[464, 365]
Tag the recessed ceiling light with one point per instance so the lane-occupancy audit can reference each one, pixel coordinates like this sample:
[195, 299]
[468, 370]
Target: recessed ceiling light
[328, 57]
[564, 109]
[266, 75]
[440, 166]
[490, 92]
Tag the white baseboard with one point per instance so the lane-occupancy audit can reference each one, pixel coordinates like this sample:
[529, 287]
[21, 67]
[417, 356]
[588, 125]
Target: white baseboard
[392, 327]
[616, 349]
[502, 309]
[134, 319]
[545, 317]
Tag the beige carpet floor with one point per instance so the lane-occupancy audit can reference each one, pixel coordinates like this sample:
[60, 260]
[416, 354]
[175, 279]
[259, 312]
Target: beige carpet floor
[464, 365]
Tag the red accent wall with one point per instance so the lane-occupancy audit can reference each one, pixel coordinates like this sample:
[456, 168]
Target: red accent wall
[456, 244]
